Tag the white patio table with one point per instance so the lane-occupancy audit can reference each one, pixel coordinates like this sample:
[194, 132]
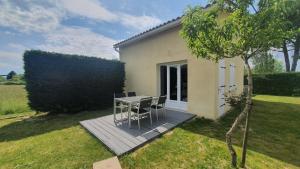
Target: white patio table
[130, 101]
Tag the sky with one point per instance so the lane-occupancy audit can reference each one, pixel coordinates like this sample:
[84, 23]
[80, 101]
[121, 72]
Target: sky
[85, 27]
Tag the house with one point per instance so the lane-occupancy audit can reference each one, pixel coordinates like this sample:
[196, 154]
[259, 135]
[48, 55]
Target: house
[158, 62]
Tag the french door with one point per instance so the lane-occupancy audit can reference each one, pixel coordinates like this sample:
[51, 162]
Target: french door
[173, 84]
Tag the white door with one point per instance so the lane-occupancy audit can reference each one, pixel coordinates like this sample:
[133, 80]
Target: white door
[221, 90]
[174, 85]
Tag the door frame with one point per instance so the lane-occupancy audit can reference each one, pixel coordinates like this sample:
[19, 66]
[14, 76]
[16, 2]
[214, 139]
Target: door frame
[174, 104]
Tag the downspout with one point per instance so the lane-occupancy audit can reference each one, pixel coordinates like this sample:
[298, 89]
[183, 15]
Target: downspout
[116, 49]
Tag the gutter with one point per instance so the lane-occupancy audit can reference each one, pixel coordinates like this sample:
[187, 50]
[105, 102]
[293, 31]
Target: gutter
[151, 32]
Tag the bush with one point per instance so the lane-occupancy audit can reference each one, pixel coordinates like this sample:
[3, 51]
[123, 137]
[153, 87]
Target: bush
[283, 84]
[236, 101]
[15, 80]
[64, 83]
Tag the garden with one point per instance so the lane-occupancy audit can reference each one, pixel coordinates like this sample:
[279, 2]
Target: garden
[39, 117]
[35, 139]
[58, 141]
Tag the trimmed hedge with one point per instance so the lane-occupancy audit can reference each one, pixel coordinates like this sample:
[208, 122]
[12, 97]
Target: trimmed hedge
[64, 83]
[283, 84]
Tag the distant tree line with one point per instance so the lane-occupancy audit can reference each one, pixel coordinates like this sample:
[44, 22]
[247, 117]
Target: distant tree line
[12, 78]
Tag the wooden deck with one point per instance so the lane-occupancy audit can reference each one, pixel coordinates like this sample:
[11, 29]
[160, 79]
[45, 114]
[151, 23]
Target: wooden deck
[120, 139]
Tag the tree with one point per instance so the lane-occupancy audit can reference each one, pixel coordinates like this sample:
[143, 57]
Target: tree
[265, 63]
[291, 12]
[229, 29]
[10, 75]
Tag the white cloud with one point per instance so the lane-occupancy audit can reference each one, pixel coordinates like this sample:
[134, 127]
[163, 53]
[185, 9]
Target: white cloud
[33, 18]
[139, 22]
[94, 10]
[90, 9]
[11, 61]
[45, 16]
[79, 41]
[17, 46]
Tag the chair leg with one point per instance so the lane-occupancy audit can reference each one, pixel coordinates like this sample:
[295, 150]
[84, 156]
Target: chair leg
[121, 114]
[165, 113]
[150, 118]
[156, 114]
[139, 122]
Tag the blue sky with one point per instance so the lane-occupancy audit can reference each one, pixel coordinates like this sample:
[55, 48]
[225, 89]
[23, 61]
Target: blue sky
[87, 27]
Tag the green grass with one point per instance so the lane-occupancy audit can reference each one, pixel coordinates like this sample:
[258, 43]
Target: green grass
[58, 141]
[49, 141]
[274, 140]
[13, 99]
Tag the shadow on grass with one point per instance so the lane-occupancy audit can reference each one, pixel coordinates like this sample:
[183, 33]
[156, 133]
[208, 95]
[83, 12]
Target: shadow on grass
[274, 130]
[35, 125]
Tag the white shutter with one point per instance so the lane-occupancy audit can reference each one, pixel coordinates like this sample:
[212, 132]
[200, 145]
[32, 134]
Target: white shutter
[221, 89]
[232, 85]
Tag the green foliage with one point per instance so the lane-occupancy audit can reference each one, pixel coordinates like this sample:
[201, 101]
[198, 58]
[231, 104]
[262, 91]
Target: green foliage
[17, 79]
[10, 75]
[236, 101]
[265, 63]
[281, 84]
[290, 11]
[241, 33]
[70, 83]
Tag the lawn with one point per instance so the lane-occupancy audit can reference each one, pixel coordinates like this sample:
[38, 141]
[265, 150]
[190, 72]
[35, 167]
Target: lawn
[49, 141]
[58, 141]
[13, 99]
[274, 140]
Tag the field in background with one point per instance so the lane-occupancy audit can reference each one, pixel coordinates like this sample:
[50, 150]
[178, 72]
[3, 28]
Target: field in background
[13, 99]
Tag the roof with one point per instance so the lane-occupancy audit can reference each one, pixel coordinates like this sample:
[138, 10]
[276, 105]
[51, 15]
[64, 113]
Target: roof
[155, 30]
[160, 28]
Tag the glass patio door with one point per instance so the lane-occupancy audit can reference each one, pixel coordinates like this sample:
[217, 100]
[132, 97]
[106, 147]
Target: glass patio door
[173, 84]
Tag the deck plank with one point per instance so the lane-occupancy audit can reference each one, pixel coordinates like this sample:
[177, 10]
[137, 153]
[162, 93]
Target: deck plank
[103, 138]
[120, 139]
[116, 133]
[123, 132]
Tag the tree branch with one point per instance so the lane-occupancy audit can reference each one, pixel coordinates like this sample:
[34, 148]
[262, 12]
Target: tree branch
[253, 7]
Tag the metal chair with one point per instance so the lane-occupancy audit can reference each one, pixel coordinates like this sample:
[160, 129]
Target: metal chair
[131, 94]
[120, 105]
[160, 105]
[143, 108]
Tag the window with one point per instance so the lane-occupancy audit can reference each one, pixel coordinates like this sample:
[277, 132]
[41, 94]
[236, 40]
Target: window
[183, 82]
[163, 80]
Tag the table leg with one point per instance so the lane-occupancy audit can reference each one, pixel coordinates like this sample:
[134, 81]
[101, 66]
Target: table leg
[115, 104]
[129, 115]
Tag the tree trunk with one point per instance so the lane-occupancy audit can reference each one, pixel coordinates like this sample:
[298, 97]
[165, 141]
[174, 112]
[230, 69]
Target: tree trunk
[240, 118]
[286, 57]
[296, 53]
[249, 101]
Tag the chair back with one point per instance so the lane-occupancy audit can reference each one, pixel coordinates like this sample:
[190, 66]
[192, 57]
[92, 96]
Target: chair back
[145, 103]
[119, 95]
[162, 100]
[131, 94]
